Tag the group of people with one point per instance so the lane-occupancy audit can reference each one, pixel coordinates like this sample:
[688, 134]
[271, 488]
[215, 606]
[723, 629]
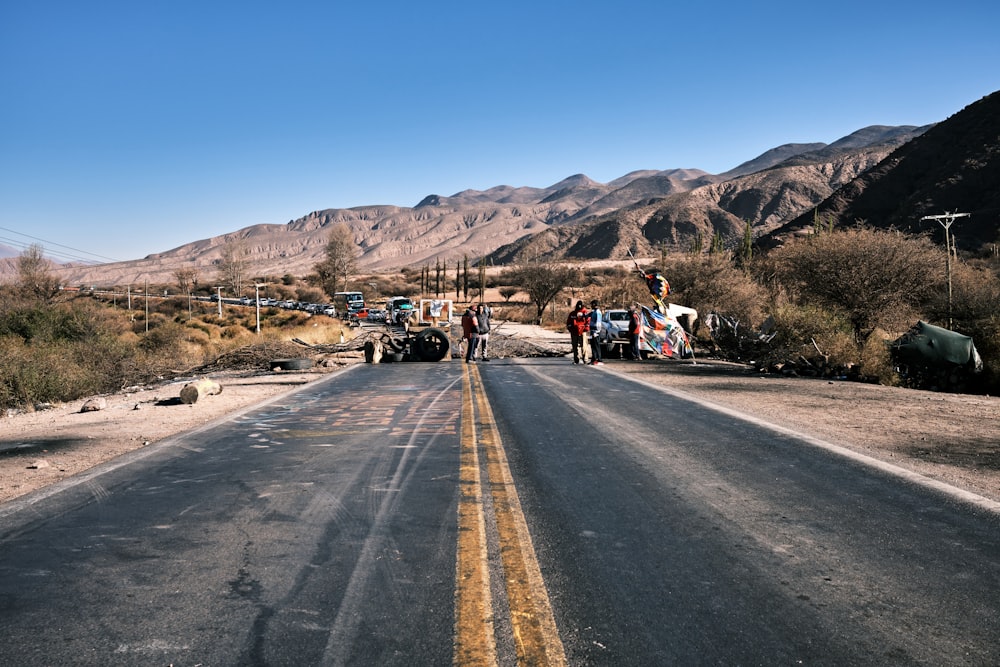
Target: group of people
[584, 328]
[585, 325]
[476, 332]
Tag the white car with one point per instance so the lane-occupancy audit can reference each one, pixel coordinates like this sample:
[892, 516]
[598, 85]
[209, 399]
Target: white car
[614, 331]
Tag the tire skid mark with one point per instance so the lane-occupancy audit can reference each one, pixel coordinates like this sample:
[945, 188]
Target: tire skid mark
[347, 621]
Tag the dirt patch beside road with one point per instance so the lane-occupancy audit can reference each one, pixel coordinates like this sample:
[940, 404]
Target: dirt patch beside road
[40, 448]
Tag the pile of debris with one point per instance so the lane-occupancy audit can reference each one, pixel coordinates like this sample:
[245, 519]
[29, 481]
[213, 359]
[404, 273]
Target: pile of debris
[251, 357]
[737, 342]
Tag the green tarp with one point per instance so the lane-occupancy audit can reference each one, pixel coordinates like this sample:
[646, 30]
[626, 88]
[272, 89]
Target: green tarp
[937, 347]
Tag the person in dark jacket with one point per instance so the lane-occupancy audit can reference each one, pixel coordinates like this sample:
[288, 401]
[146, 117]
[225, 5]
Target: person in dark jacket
[578, 323]
[635, 331]
[594, 331]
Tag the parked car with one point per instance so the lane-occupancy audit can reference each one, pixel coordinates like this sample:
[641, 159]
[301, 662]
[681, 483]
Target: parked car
[614, 331]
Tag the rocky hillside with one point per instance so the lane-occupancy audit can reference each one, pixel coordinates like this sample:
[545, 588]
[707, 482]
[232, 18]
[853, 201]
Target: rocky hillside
[580, 218]
[775, 188]
[953, 167]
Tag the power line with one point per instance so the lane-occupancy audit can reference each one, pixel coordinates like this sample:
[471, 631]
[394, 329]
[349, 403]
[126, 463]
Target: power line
[85, 252]
[21, 245]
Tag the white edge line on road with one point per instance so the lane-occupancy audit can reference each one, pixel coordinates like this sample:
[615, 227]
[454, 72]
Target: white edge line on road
[962, 495]
[20, 504]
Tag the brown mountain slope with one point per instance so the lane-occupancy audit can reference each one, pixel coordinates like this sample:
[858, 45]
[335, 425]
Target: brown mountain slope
[765, 199]
[953, 167]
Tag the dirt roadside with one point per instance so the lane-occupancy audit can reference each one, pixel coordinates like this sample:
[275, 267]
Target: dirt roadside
[952, 438]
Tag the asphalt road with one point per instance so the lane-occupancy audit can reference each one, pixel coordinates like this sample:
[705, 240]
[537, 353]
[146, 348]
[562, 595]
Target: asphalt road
[424, 514]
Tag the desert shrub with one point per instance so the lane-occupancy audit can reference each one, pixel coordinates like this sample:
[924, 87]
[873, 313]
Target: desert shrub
[620, 288]
[986, 336]
[234, 331]
[312, 295]
[171, 307]
[875, 359]
[808, 331]
[712, 283]
[287, 318]
[164, 338]
[65, 370]
[876, 278]
[77, 320]
[201, 326]
[508, 292]
[401, 288]
[975, 296]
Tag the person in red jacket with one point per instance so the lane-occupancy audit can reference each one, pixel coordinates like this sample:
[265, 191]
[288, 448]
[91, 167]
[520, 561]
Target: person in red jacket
[470, 333]
[577, 324]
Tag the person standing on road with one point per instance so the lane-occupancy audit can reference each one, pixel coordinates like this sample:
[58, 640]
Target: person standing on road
[577, 323]
[635, 332]
[470, 332]
[483, 313]
[594, 330]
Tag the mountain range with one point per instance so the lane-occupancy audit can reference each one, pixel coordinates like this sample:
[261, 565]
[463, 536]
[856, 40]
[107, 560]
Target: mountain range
[883, 175]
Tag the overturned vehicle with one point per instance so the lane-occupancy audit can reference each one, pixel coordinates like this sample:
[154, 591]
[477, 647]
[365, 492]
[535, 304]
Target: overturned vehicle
[930, 357]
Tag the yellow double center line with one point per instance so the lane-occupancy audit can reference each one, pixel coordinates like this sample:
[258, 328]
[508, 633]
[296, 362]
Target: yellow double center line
[536, 638]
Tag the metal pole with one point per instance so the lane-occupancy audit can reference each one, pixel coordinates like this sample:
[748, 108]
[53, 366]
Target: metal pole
[946, 221]
[256, 289]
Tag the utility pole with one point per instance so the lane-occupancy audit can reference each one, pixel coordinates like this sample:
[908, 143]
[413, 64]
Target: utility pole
[218, 291]
[946, 221]
[256, 287]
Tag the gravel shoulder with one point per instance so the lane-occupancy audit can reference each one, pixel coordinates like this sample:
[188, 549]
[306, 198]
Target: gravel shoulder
[952, 438]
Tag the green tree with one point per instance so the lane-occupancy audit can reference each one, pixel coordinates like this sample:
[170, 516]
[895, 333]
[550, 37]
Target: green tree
[746, 252]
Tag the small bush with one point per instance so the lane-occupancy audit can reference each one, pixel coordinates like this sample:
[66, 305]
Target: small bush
[712, 283]
[876, 359]
[822, 337]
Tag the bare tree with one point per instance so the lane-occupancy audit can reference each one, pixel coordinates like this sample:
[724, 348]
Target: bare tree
[35, 280]
[541, 281]
[340, 261]
[233, 266]
[187, 279]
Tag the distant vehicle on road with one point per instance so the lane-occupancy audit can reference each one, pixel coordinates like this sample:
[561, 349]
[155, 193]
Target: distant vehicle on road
[349, 303]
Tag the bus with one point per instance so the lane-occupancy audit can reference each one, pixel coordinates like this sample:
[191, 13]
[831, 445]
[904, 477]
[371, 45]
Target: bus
[349, 303]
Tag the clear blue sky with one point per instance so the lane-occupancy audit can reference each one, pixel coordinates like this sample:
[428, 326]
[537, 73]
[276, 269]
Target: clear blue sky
[134, 127]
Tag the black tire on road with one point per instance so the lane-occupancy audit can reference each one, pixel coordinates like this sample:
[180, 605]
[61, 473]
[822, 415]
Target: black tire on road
[432, 345]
